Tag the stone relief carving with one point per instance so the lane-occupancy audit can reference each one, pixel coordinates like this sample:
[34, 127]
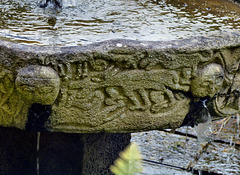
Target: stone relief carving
[118, 92]
[33, 84]
[13, 110]
[208, 80]
[103, 94]
[228, 101]
[38, 84]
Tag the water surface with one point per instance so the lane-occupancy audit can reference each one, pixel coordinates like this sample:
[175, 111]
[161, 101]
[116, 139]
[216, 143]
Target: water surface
[82, 22]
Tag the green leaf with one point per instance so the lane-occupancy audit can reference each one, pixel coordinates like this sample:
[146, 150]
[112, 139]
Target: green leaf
[129, 162]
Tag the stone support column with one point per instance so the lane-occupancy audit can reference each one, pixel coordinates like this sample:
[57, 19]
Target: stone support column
[17, 152]
[100, 151]
[59, 153]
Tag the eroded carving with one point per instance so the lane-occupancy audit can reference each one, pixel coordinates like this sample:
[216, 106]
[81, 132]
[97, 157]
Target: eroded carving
[13, 109]
[33, 84]
[227, 101]
[229, 104]
[208, 81]
[162, 100]
[104, 93]
[108, 94]
[38, 84]
[123, 89]
[135, 85]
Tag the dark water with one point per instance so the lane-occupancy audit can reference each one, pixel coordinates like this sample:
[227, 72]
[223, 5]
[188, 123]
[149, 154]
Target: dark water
[85, 21]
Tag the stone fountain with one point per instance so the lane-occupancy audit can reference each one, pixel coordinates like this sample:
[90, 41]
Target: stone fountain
[87, 99]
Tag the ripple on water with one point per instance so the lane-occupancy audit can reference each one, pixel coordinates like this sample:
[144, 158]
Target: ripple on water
[87, 21]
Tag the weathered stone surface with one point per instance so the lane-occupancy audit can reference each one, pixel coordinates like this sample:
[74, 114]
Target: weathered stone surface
[38, 84]
[208, 81]
[119, 85]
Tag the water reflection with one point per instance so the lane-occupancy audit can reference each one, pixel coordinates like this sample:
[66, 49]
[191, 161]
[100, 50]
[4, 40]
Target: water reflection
[86, 21]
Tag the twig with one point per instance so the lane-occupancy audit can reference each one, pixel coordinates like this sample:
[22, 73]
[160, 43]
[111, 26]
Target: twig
[198, 155]
[224, 122]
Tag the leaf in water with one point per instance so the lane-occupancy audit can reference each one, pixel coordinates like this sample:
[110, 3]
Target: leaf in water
[129, 162]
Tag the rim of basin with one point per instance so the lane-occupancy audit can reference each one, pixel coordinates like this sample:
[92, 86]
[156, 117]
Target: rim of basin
[219, 39]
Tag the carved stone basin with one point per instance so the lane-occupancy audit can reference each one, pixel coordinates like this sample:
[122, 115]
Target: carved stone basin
[109, 68]
[119, 85]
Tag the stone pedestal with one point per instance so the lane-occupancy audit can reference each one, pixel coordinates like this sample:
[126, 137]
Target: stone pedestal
[59, 153]
[100, 151]
[17, 152]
